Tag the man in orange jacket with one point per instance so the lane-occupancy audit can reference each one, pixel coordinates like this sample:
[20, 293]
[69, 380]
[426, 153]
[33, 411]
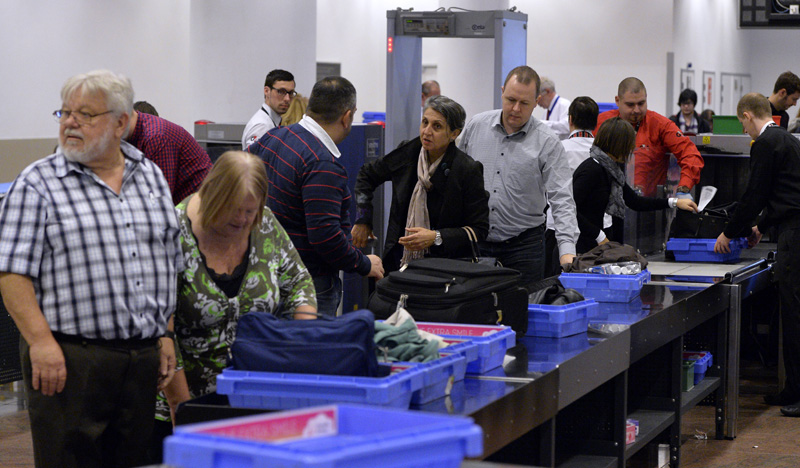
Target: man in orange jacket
[656, 136]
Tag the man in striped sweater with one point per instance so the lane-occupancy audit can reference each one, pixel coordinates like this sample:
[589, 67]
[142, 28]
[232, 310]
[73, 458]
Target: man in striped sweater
[308, 190]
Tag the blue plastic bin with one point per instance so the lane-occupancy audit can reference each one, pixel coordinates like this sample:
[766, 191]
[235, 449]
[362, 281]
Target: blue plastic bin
[437, 378]
[341, 436]
[702, 250]
[491, 341]
[369, 117]
[702, 361]
[557, 321]
[273, 390]
[624, 313]
[606, 288]
[545, 354]
[561, 313]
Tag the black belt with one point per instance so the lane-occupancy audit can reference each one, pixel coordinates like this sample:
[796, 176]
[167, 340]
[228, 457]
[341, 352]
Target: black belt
[518, 237]
[115, 343]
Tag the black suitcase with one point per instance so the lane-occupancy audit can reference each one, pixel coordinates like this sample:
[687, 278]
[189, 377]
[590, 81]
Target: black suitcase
[454, 291]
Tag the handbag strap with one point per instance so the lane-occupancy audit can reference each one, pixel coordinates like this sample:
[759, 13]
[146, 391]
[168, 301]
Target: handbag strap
[473, 242]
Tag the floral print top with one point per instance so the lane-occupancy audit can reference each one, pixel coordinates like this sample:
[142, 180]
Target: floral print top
[206, 318]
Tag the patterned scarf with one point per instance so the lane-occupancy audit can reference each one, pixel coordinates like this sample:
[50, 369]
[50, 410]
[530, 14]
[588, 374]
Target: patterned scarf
[616, 204]
[418, 208]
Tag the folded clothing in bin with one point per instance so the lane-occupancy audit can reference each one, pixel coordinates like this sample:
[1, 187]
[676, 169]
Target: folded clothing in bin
[337, 436]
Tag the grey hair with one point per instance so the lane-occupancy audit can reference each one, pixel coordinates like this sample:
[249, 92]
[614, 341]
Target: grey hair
[547, 83]
[116, 89]
[453, 113]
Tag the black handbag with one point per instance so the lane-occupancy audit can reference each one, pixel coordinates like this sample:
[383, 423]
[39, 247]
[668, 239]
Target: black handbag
[333, 346]
[476, 257]
[708, 224]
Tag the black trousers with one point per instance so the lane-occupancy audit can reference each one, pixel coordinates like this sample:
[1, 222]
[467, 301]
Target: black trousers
[104, 416]
[787, 271]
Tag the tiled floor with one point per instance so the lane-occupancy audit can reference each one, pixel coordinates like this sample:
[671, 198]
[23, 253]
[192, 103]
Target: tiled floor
[766, 439]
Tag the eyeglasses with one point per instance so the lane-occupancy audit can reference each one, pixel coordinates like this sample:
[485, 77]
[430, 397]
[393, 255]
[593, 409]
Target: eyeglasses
[283, 92]
[82, 118]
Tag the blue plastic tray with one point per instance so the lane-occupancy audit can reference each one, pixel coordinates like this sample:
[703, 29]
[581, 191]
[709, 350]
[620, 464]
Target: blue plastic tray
[702, 250]
[561, 313]
[437, 378]
[557, 330]
[273, 390]
[553, 350]
[341, 436]
[606, 288]
[492, 341]
[702, 361]
[624, 313]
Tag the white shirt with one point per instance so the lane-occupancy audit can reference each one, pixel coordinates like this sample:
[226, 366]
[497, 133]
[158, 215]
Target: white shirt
[558, 119]
[313, 127]
[577, 150]
[264, 120]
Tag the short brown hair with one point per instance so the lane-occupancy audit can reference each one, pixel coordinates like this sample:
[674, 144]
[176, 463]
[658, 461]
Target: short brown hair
[617, 138]
[233, 177]
[631, 85]
[525, 75]
[788, 81]
[756, 104]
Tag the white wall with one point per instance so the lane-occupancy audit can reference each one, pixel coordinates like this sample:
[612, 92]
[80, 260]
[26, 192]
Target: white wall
[583, 45]
[707, 35]
[198, 59]
[587, 47]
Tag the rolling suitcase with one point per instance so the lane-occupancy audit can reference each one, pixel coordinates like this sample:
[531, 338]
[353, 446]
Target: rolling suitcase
[454, 291]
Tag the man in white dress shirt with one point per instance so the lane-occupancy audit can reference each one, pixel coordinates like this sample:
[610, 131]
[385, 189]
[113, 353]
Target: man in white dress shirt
[557, 107]
[278, 94]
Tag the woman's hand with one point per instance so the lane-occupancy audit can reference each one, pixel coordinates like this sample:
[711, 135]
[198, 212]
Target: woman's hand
[687, 204]
[418, 239]
[361, 235]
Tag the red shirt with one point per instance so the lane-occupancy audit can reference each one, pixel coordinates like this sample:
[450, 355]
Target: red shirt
[175, 152]
[656, 137]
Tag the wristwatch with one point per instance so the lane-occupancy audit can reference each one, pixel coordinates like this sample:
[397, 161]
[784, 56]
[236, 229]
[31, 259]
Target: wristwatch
[438, 239]
[682, 189]
[169, 334]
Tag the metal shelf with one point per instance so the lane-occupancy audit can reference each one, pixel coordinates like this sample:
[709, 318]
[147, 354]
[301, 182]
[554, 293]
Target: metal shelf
[694, 396]
[651, 424]
[588, 461]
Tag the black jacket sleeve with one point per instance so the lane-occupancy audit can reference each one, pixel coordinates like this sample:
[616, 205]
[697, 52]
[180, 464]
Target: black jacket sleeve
[371, 176]
[637, 202]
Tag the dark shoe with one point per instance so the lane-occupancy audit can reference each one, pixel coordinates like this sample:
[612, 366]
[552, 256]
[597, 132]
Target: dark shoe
[793, 410]
[781, 399]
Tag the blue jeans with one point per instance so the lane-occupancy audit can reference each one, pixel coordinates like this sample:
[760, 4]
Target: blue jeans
[524, 253]
[329, 294]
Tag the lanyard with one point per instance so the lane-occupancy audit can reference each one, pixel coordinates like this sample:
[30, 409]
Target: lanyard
[553, 106]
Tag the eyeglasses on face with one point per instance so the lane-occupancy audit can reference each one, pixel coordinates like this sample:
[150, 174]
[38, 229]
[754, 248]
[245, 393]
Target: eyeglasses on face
[82, 118]
[283, 92]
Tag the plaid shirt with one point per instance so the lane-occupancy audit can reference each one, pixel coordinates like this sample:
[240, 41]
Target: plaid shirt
[103, 265]
[181, 159]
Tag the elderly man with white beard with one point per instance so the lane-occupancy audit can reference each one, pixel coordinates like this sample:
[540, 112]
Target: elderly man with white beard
[89, 256]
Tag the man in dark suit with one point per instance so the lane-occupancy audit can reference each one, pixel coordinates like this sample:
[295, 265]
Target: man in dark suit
[774, 187]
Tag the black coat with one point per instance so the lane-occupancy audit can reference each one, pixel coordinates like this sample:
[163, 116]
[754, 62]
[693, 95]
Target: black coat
[702, 125]
[457, 198]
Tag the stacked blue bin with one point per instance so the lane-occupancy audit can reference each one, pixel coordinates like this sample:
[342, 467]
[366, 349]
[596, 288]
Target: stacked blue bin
[338, 436]
[483, 346]
[556, 321]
